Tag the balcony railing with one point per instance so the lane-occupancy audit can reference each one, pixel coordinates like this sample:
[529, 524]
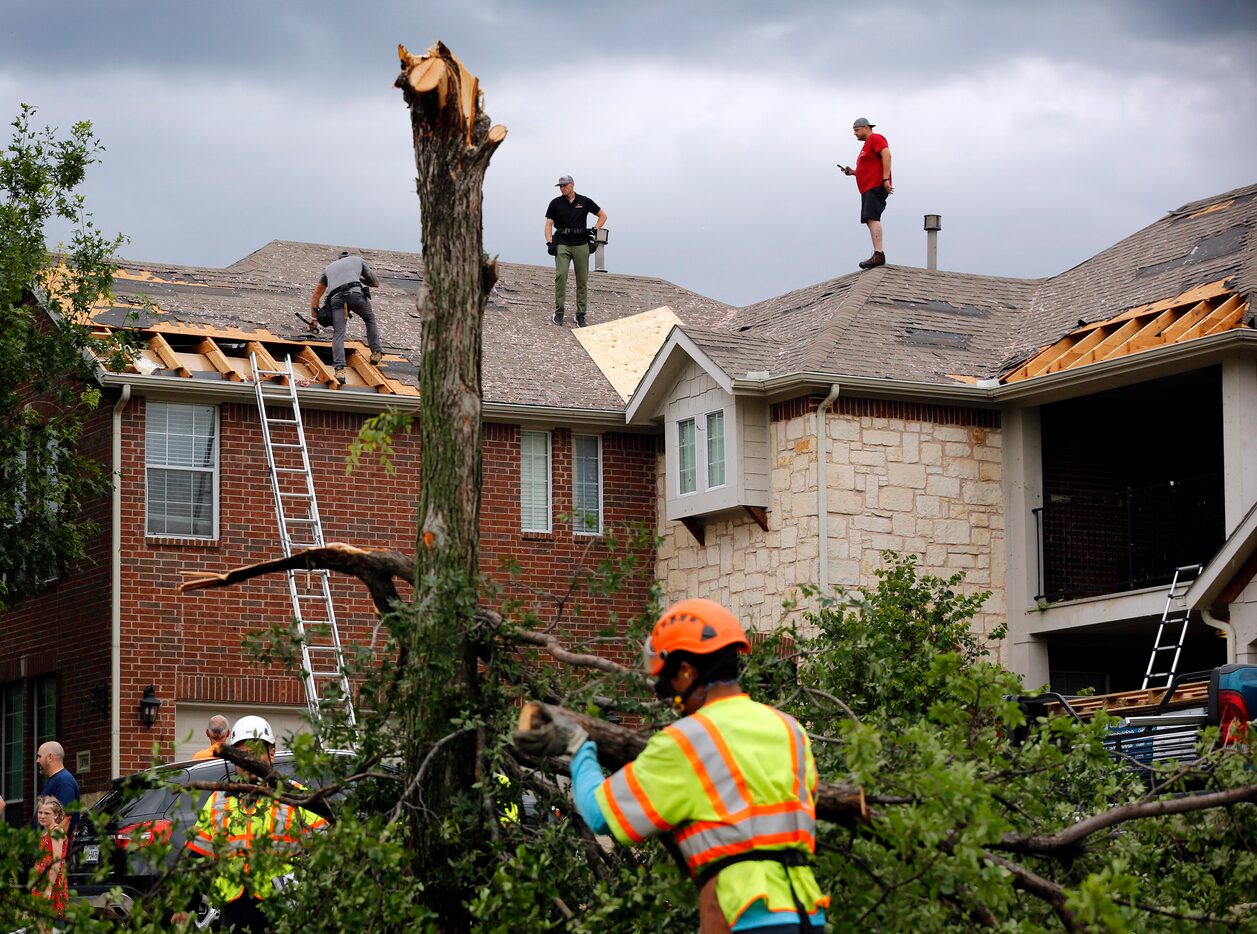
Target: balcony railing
[1129, 539]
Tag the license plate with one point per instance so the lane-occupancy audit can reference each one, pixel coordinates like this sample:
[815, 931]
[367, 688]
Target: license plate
[91, 853]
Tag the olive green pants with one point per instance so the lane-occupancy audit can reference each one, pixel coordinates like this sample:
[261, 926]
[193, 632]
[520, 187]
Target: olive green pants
[579, 257]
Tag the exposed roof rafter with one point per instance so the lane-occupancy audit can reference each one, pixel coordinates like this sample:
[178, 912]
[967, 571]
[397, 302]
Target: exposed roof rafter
[1198, 312]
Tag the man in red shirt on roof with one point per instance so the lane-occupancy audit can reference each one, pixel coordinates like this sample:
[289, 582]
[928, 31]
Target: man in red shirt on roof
[872, 177]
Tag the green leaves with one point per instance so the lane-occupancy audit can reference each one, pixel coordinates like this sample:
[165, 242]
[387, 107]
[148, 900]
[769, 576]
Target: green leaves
[46, 355]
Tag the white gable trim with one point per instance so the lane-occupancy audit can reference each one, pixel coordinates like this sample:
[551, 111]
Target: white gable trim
[647, 401]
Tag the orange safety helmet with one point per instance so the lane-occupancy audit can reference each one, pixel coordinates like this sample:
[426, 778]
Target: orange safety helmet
[695, 625]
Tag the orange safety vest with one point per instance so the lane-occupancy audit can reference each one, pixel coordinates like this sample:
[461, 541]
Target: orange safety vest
[238, 822]
[733, 778]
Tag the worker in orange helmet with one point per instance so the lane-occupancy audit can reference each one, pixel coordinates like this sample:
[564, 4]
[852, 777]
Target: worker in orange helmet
[733, 780]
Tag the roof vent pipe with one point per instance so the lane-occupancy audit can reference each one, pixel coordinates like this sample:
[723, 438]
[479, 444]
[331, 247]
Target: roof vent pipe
[933, 224]
[603, 235]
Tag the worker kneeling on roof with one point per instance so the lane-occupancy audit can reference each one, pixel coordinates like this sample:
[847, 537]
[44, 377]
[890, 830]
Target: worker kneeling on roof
[732, 780]
[233, 825]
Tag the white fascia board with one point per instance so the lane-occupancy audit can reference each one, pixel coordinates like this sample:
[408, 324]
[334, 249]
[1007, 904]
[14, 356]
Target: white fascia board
[1217, 574]
[1094, 611]
[644, 404]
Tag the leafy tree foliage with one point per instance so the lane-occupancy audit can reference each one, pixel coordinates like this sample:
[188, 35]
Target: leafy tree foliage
[45, 396]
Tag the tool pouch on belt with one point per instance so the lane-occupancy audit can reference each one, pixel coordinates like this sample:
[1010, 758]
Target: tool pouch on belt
[593, 239]
[552, 248]
[323, 315]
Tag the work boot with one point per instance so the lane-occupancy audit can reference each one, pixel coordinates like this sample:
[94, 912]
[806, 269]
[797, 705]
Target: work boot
[376, 357]
[557, 318]
[340, 375]
[877, 259]
[580, 320]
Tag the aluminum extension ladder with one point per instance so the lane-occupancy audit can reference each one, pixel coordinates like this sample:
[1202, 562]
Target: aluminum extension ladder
[297, 512]
[1177, 614]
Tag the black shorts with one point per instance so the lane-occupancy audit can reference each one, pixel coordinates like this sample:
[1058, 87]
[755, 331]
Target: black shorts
[872, 204]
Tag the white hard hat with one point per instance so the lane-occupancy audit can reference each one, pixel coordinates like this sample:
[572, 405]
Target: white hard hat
[252, 728]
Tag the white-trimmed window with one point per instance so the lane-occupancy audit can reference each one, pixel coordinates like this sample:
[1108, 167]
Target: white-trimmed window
[587, 484]
[181, 469]
[715, 449]
[534, 481]
[687, 457]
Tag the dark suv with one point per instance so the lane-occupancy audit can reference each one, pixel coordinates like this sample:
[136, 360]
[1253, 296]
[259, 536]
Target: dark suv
[143, 809]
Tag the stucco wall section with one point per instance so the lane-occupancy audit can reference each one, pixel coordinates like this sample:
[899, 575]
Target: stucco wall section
[913, 486]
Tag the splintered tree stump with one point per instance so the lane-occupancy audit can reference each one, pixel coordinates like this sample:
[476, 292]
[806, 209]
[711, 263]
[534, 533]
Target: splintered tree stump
[618, 746]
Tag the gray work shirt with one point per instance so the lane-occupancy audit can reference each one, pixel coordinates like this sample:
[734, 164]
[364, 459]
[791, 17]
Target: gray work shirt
[346, 271]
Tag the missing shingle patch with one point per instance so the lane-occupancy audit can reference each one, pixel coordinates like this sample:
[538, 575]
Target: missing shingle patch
[966, 311]
[943, 340]
[1206, 248]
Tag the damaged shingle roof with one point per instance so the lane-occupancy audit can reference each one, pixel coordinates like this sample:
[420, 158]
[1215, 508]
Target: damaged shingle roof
[527, 360]
[894, 322]
[904, 323]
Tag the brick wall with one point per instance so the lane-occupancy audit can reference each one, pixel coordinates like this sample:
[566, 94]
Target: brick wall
[64, 632]
[189, 646]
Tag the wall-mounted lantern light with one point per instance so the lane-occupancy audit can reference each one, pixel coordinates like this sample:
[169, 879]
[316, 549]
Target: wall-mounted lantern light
[149, 705]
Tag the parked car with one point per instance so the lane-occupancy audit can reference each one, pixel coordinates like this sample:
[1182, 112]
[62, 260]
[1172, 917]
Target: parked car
[143, 809]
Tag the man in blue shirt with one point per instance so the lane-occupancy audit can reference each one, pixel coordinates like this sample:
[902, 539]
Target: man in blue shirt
[60, 783]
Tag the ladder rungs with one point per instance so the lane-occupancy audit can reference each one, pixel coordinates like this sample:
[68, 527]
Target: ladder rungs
[281, 421]
[302, 521]
[290, 470]
[306, 495]
[285, 444]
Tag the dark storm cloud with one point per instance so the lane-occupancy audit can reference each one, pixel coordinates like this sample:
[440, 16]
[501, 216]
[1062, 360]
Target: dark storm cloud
[1043, 132]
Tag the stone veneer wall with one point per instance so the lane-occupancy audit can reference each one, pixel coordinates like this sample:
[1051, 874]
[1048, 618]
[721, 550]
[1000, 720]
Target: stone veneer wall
[914, 478]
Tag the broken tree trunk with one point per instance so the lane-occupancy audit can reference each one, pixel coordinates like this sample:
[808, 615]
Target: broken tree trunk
[453, 143]
[618, 746]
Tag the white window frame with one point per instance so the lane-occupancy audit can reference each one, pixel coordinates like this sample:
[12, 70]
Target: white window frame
[724, 450]
[578, 528]
[213, 470]
[681, 491]
[549, 481]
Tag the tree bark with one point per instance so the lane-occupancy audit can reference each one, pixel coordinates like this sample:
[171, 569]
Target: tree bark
[453, 144]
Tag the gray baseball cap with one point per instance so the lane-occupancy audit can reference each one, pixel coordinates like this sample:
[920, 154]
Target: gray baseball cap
[563, 180]
[862, 121]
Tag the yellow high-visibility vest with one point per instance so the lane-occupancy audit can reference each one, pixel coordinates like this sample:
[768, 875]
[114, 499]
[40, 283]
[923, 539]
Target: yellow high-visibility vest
[233, 823]
[734, 777]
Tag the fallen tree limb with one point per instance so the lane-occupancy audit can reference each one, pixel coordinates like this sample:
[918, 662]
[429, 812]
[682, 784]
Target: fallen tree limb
[1074, 835]
[377, 568]
[618, 746]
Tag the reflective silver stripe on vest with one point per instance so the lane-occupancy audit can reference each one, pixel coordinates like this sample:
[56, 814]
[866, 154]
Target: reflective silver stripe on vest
[800, 755]
[795, 826]
[713, 763]
[639, 825]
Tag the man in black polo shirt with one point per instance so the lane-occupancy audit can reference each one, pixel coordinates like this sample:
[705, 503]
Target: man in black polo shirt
[567, 239]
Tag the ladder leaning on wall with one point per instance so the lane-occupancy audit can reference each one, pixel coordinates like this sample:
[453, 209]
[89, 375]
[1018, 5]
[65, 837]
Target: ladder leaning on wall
[297, 513]
[1167, 640]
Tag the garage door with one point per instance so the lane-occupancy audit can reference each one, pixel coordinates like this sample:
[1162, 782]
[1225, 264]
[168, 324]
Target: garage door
[190, 721]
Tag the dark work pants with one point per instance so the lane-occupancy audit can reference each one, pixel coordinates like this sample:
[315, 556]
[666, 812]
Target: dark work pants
[354, 301]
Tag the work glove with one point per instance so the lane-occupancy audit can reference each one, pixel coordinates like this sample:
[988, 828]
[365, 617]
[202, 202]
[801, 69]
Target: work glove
[559, 737]
[551, 248]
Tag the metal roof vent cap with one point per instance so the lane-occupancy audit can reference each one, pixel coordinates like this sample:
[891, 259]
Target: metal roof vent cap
[933, 224]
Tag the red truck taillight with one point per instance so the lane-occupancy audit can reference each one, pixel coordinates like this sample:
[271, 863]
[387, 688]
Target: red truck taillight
[1233, 717]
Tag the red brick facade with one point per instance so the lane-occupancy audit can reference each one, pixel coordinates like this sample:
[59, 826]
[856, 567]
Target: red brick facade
[189, 646]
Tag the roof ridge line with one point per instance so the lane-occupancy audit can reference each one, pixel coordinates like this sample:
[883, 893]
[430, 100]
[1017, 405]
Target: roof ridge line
[848, 307]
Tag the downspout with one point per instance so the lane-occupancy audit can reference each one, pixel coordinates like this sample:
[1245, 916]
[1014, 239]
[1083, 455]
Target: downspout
[115, 587]
[822, 487]
[1227, 630]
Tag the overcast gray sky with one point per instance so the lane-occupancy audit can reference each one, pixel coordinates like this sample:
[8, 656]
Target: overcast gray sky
[709, 131]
